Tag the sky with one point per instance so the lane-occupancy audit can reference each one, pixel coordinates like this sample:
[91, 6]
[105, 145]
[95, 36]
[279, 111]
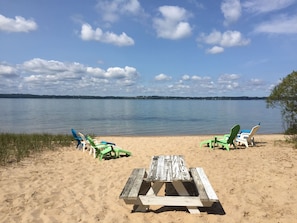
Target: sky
[187, 48]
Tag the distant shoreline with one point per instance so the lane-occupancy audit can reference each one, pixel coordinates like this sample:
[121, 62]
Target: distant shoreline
[32, 96]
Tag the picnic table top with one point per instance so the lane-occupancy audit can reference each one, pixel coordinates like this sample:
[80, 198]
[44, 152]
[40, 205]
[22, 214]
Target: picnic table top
[168, 168]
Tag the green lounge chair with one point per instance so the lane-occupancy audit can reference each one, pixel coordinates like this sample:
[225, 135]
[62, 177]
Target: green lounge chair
[107, 149]
[101, 150]
[120, 152]
[224, 141]
[92, 149]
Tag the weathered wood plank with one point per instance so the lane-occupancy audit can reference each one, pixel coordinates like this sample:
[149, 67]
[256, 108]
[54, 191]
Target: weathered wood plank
[205, 190]
[200, 187]
[133, 184]
[168, 169]
[208, 188]
[171, 200]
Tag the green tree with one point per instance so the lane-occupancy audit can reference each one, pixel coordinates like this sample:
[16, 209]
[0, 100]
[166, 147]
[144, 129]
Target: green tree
[284, 95]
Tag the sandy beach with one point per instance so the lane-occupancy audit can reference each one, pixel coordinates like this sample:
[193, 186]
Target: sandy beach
[257, 184]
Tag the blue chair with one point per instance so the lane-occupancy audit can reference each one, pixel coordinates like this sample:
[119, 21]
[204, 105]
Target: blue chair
[80, 141]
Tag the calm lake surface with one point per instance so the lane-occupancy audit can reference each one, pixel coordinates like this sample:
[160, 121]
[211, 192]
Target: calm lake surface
[136, 117]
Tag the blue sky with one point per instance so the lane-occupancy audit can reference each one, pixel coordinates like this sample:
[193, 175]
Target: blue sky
[140, 47]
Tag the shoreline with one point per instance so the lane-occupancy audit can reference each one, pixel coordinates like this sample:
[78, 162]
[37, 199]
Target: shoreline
[122, 135]
[257, 184]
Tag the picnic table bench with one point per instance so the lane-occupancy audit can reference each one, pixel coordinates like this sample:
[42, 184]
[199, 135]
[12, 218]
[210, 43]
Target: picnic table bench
[190, 188]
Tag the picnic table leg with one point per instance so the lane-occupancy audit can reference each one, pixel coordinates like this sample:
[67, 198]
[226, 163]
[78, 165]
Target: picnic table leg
[154, 190]
[181, 190]
[139, 207]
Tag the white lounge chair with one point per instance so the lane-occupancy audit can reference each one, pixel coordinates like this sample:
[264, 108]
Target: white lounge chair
[84, 141]
[247, 138]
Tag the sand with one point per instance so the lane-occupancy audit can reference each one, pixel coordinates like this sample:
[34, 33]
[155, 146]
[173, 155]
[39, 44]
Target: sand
[258, 184]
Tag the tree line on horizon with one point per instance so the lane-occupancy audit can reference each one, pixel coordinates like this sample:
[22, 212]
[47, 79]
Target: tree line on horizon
[130, 97]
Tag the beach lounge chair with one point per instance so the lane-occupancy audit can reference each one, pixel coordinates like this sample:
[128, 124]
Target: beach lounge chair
[247, 130]
[121, 152]
[247, 138]
[99, 149]
[80, 141]
[106, 149]
[84, 141]
[225, 141]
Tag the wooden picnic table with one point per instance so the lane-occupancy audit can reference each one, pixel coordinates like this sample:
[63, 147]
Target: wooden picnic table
[168, 182]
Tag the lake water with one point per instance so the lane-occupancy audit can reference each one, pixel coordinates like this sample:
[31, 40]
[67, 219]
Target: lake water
[136, 117]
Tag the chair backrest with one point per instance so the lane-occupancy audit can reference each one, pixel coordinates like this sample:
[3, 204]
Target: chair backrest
[75, 135]
[82, 136]
[234, 131]
[91, 141]
[254, 131]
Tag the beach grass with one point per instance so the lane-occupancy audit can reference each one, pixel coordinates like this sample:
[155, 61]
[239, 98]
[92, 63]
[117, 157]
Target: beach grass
[293, 139]
[15, 147]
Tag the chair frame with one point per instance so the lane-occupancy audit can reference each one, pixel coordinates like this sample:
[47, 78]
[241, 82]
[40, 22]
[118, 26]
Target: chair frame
[79, 139]
[226, 141]
[248, 138]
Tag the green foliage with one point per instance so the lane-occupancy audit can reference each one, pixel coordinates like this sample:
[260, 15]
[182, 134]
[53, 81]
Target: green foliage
[284, 95]
[14, 147]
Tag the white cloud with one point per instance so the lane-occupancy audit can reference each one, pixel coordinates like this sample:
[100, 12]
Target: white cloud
[257, 82]
[162, 77]
[96, 72]
[231, 10]
[279, 25]
[7, 71]
[121, 73]
[19, 24]
[233, 38]
[51, 67]
[227, 78]
[264, 6]
[214, 37]
[228, 81]
[112, 9]
[196, 78]
[88, 34]
[39, 76]
[132, 6]
[215, 50]
[186, 77]
[226, 39]
[40, 70]
[173, 23]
